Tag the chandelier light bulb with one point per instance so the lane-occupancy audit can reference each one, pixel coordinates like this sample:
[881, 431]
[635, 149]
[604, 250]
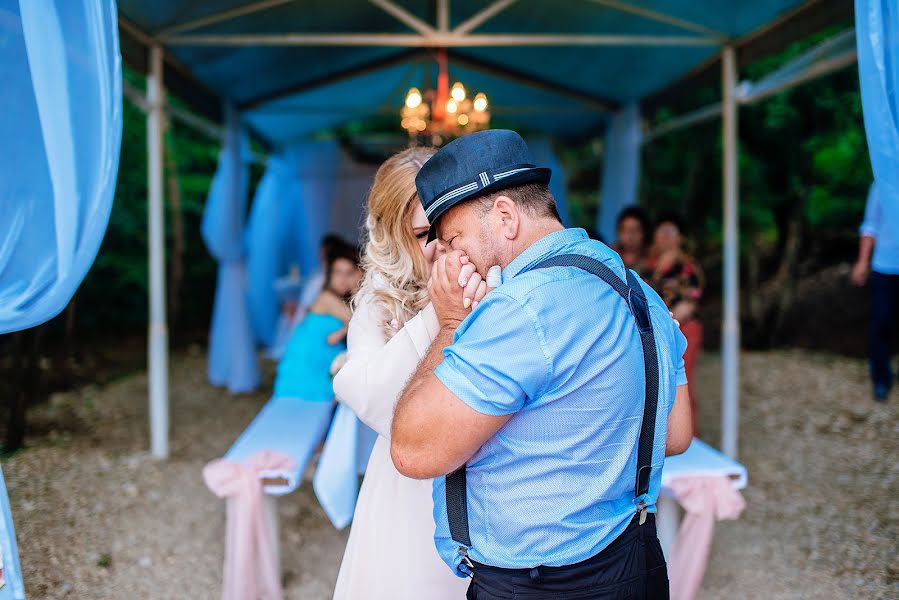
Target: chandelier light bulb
[458, 92]
[461, 114]
[413, 98]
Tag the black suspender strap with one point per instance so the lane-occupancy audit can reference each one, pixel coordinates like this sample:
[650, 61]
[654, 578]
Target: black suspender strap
[632, 293]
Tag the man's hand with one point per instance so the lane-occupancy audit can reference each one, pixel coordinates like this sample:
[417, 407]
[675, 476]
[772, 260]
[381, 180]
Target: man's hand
[683, 311]
[454, 287]
[859, 275]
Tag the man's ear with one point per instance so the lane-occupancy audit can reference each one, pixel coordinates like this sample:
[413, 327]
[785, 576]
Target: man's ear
[510, 216]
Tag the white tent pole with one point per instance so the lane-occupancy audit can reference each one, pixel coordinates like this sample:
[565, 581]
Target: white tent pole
[224, 15]
[404, 16]
[660, 17]
[486, 13]
[443, 16]
[730, 329]
[437, 40]
[158, 331]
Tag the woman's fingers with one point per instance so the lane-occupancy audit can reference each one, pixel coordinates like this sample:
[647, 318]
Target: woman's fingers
[471, 289]
[466, 273]
[479, 294]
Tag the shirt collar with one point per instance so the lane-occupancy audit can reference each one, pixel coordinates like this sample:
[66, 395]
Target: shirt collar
[545, 247]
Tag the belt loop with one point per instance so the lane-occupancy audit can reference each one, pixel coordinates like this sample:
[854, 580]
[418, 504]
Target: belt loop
[534, 574]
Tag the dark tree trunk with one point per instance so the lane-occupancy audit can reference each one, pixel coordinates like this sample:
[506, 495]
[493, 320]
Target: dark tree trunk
[785, 280]
[15, 425]
[25, 383]
[177, 244]
[70, 328]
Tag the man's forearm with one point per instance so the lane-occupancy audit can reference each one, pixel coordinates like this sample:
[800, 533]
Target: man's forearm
[865, 249]
[434, 356]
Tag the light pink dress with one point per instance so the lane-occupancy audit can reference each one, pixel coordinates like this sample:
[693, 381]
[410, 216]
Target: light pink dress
[390, 554]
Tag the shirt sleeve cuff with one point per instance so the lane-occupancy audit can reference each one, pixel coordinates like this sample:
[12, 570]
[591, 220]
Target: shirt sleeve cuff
[681, 378]
[465, 391]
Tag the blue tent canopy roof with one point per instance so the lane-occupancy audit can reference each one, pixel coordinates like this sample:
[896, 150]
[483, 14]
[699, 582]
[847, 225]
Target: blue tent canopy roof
[288, 89]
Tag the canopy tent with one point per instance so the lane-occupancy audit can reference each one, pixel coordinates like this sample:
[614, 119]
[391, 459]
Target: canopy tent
[292, 69]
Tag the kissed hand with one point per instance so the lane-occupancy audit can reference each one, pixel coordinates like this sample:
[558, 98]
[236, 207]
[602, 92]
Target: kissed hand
[455, 288]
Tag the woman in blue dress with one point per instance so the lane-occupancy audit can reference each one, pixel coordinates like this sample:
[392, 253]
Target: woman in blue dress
[296, 419]
[305, 369]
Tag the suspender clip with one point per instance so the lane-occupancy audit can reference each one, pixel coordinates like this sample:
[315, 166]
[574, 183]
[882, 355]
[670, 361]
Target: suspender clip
[469, 570]
[641, 510]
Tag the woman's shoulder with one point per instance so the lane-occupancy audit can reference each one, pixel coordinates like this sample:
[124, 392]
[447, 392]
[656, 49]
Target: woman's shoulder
[329, 303]
[366, 308]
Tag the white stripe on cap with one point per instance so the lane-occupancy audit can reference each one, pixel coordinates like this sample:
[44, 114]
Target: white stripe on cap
[512, 172]
[449, 196]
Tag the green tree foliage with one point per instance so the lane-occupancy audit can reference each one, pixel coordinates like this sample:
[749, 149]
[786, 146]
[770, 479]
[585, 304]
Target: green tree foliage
[802, 151]
[114, 294]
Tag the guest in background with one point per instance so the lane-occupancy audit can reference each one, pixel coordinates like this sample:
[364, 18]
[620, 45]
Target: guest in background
[299, 294]
[330, 244]
[632, 238]
[880, 238]
[678, 279]
[304, 371]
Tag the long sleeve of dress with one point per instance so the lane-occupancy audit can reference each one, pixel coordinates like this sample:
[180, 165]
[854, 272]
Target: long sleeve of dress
[377, 370]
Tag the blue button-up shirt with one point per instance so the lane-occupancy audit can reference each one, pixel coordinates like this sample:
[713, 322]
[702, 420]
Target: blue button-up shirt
[559, 349]
[882, 224]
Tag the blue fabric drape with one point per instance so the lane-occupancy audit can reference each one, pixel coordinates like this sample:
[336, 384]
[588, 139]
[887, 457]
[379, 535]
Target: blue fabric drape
[620, 169]
[877, 37]
[266, 240]
[544, 156]
[318, 165]
[232, 353]
[60, 133]
[12, 570]
[292, 211]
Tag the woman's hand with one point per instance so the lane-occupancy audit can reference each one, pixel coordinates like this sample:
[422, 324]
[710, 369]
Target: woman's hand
[337, 336]
[474, 288]
[683, 311]
[432, 252]
[338, 363]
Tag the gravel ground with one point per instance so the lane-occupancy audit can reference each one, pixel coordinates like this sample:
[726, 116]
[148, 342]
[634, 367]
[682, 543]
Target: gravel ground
[97, 518]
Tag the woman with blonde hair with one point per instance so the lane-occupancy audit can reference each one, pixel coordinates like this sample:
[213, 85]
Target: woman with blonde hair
[391, 552]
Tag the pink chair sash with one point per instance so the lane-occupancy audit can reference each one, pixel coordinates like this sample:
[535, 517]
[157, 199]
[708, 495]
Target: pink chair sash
[705, 500]
[251, 569]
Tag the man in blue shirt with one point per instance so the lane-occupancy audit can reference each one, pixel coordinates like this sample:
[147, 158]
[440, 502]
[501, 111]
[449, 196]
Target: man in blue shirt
[539, 392]
[880, 237]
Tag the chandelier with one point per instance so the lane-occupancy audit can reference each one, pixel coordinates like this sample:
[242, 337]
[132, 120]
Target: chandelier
[443, 114]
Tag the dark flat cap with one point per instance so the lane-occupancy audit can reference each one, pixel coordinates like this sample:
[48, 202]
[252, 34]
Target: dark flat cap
[472, 166]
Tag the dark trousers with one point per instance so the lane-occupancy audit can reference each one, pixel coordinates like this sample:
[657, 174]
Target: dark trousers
[630, 568]
[884, 299]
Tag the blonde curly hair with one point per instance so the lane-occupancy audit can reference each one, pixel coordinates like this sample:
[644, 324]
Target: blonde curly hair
[396, 274]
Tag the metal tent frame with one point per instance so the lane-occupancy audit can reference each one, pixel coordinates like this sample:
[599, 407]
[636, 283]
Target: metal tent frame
[155, 55]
